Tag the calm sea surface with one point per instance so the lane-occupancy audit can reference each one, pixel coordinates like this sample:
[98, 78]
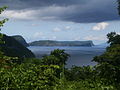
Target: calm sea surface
[79, 56]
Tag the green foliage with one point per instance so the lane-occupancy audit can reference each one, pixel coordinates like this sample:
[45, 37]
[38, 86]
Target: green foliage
[29, 76]
[3, 59]
[111, 56]
[85, 78]
[4, 20]
[108, 68]
[79, 73]
[113, 38]
[32, 61]
[84, 85]
[61, 55]
[56, 57]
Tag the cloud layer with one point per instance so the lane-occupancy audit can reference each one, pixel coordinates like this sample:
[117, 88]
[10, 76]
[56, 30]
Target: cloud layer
[98, 38]
[100, 26]
[81, 11]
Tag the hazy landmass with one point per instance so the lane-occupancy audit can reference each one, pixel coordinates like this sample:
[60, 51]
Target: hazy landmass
[61, 43]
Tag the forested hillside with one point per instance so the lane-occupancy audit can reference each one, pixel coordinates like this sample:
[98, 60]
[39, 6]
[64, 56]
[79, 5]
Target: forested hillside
[13, 48]
[20, 39]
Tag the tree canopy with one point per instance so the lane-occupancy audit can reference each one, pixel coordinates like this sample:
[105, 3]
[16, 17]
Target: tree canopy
[2, 57]
[109, 62]
[113, 38]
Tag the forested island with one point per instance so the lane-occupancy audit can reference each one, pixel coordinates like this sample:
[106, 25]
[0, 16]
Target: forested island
[61, 43]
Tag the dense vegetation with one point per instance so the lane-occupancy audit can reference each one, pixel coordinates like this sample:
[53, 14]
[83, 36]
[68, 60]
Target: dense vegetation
[49, 72]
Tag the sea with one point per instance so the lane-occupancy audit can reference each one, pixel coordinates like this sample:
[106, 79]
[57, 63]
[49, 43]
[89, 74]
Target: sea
[79, 56]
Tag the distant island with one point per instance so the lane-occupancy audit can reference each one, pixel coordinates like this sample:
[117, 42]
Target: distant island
[61, 43]
[21, 40]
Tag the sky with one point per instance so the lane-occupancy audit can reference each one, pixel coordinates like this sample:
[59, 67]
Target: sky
[63, 20]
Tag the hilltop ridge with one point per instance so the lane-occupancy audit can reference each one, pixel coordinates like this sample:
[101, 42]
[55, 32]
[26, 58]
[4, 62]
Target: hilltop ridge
[21, 40]
[61, 43]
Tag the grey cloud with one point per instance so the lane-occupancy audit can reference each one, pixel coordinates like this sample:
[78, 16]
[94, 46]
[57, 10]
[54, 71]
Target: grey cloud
[80, 11]
[23, 4]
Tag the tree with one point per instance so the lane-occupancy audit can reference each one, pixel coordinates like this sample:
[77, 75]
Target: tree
[56, 57]
[77, 73]
[3, 59]
[61, 55]
[2, 22]
[1, 35]
[108, 67]
[113, 38]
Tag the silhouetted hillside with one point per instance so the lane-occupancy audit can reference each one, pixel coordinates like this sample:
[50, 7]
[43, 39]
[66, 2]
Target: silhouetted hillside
[21, 40]
[12, 47]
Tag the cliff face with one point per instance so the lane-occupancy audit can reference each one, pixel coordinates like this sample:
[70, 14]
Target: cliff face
[61, 43]
[21, 40]
[13, 48]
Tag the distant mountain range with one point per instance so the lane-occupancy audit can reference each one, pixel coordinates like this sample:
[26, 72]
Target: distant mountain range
[61, 43]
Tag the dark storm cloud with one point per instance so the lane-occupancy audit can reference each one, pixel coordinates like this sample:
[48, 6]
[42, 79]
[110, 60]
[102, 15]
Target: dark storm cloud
[85, 11]
[23, 4]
